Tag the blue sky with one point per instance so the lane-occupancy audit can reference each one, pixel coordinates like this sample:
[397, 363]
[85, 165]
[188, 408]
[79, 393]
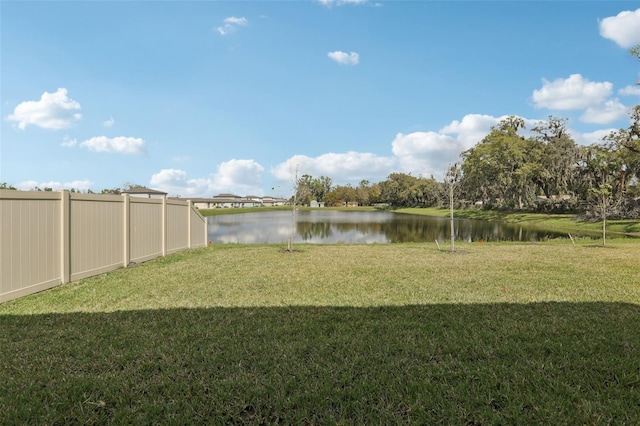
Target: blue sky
[204, 97]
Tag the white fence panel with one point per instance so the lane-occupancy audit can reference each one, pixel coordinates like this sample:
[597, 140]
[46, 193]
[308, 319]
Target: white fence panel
[30, 243]
[49, 238]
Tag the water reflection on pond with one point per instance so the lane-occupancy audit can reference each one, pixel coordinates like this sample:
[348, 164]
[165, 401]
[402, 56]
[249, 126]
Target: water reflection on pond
[361, 227]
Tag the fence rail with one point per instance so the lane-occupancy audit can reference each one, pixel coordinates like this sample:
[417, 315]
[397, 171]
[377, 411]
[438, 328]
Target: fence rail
[51, 238]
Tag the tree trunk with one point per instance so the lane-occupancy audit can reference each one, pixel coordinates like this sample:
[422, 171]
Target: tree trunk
[453, 235]
[604, 220]
[293, 227]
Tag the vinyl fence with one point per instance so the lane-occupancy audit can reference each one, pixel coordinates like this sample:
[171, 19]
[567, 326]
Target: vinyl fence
[51, 238]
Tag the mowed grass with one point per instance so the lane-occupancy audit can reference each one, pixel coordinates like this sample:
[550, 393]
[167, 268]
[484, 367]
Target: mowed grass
[335, 334]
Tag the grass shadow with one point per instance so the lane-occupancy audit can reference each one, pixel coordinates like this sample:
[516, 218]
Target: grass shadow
[629, 226]
[573, 363]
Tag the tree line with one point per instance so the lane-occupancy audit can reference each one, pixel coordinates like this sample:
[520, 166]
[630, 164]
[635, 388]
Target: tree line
[114, 191]
[546, 171]
[549, 171]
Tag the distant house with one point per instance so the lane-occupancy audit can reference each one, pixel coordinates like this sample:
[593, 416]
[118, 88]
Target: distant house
[315, 203]
[272, 201]
[226, 201]
[203, 203]
[251, 201]
[232, 201]
[144, 192]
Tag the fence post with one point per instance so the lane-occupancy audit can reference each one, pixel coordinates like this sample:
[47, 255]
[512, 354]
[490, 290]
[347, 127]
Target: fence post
[206, 231]
[164, 226]
[127, 230]
[65, 236]
[189, 224]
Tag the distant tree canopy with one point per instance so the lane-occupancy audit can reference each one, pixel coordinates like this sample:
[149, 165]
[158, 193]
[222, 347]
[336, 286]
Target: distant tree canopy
[404, 190]
[309, 188]
[546, 171]
[5, 185]
[506, 170]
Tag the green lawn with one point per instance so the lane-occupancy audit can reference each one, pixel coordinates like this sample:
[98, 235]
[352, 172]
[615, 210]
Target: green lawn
[500, 333]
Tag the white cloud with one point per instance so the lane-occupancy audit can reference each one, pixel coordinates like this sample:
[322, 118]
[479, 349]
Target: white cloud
[27, 185]
[241, 177]
[630, 91]
[425, 153]
[169, 178]
[591, 137]
[474, 127]
[176, 183]
[238, 174]
[330, 3]
[82, 185]
[574, 92]
[232, 20]
[68, 142]
[344, 58]
[471, 129]
[231, 24]
[120, 144]
[623, 29]
[109, 123]
[605, 113]
[53, 111]
[342, 168]
[419, 153]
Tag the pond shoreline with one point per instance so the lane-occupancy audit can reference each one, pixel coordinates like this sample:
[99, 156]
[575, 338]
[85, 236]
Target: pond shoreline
[367, 226]
[562, 222]
[565, 222]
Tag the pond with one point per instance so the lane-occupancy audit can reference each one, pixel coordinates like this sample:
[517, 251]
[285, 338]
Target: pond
[361, 227]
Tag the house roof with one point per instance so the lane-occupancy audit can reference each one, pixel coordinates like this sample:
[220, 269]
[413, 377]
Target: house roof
[221, 199]
[143, 190]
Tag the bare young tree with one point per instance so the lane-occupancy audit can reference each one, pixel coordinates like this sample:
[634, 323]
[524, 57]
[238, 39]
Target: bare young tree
[294, 201]
[602, 196]
[451, 179]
